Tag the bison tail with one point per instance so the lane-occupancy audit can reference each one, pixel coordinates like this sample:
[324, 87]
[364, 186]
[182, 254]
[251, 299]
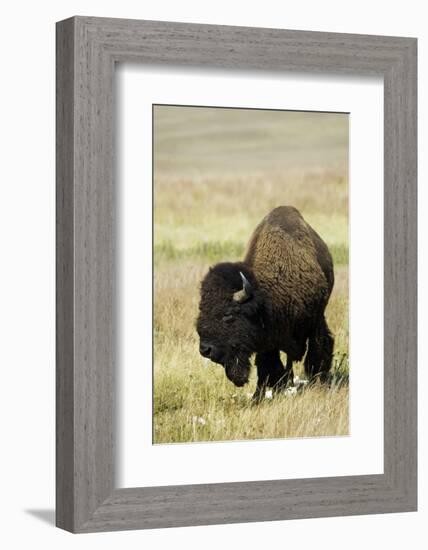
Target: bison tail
[319, 356]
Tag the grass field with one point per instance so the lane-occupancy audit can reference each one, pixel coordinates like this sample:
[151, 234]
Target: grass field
[218, 172]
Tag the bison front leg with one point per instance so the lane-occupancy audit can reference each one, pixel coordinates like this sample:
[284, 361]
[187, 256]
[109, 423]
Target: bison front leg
[271, 373]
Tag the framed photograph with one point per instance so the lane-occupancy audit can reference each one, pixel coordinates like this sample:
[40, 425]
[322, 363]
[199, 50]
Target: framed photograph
[236, 274]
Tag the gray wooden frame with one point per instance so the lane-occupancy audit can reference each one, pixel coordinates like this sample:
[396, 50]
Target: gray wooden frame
[87, 50]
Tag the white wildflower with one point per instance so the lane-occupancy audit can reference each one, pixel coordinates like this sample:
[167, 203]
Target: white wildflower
[268, 394]
[199, 420]
[300, 383]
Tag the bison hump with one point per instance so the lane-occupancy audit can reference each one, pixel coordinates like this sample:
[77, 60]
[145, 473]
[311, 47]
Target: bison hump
[285, 254]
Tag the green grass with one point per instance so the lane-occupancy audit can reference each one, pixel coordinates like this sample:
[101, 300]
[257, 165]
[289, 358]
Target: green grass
[224, 251]
[210, 251]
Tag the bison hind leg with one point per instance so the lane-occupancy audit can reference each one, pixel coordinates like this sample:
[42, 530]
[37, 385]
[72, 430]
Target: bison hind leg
[319, 356]
[271, 373]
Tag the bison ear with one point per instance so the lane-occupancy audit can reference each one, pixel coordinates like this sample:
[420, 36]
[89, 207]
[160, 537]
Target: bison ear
[253, 309]
[245, 293]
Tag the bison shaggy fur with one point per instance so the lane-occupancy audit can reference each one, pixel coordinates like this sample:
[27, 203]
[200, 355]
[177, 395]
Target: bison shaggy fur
[272, 301]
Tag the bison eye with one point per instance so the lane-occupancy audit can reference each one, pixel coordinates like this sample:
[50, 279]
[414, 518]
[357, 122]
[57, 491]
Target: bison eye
[228, 318]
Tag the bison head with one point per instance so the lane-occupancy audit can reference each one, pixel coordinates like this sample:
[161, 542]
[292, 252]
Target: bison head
[230, 319]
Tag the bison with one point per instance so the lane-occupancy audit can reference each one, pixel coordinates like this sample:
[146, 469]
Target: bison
[272, 301]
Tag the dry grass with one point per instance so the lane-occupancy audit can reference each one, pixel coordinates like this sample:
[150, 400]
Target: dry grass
[200, 220]
[209, 414]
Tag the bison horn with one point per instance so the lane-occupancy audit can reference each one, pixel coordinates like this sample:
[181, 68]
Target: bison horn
[246, 292]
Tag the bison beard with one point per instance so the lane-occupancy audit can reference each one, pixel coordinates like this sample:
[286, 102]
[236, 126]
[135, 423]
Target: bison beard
[272, 301]
[238, 370]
